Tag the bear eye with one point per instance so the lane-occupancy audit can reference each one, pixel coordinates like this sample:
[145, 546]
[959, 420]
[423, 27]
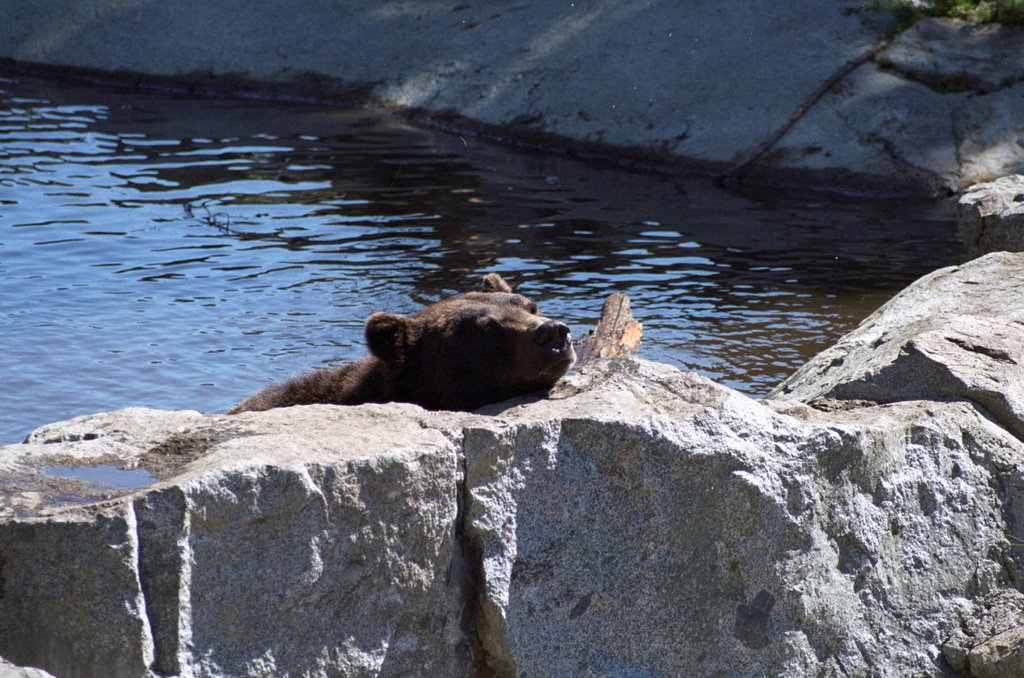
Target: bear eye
[532, 308]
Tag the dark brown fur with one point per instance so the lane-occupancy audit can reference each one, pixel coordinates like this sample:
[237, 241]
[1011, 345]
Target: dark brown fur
[458, 354]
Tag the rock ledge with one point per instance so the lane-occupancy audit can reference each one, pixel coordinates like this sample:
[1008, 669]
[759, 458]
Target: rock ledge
[639, 521]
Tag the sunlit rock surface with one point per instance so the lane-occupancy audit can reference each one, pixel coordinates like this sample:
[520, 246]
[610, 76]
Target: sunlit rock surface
[9, 670]
[759, 85]
[990, 216]
[318, 540]
[957, 333]
[638, 521]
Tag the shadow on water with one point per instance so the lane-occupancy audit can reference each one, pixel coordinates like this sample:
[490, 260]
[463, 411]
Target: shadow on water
[169, 252]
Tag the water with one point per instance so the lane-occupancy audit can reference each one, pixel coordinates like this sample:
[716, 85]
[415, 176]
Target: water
[163, 251]
[110, 476]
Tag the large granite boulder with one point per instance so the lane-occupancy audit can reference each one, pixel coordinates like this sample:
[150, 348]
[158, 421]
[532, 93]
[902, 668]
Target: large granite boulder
[956, 333]
[638, 521]
[316, 541]
[661, 524]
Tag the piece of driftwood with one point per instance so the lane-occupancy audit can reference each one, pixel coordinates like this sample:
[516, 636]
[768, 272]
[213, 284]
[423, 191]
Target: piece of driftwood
[616, 334]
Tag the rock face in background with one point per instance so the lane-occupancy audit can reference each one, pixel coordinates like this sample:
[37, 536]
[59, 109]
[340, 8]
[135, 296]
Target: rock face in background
[956, 54]
[937, 110]
[940, 104]
[991, 216]
[639, 521]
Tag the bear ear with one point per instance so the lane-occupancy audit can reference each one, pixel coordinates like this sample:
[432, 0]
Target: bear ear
[389, 337]
[495, 283]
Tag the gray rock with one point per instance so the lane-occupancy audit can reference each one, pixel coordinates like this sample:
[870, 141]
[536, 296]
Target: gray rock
[708, 86]
[568, 69]
[952, 54]
[952, 334]
[125, 449]
[660, 524]
[991, 131]
[638, 521]
[1001, 656]
[990, 216]
[72, 602]
[939, 108]
[136, 427]
[998, 609]
[315, 540]
[9, 670]
[877, 123]
[970, 357]
[955, 336]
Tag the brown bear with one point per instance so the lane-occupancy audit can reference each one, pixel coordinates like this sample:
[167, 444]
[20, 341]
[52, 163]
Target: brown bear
[458, 354]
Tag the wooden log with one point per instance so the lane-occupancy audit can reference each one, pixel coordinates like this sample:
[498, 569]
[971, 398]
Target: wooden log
[616, 334]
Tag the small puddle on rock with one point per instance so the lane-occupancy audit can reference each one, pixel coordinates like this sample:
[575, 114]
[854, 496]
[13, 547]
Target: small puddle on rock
[110, 476]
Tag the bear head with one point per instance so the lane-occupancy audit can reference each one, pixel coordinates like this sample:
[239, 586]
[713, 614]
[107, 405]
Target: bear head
[471, 350]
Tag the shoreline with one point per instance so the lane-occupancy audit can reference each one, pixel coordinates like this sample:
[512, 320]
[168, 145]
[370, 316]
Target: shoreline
[814, 93]
[336, 95]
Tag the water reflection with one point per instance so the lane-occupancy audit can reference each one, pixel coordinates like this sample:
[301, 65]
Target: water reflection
[162, 251]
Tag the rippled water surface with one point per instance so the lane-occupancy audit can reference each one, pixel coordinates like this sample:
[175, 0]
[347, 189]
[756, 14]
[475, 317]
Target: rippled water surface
[179, 253]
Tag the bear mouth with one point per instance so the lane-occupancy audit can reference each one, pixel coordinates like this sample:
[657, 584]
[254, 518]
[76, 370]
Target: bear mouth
[563, 360]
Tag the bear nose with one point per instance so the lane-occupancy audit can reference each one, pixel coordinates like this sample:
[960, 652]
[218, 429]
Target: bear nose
[552, 335]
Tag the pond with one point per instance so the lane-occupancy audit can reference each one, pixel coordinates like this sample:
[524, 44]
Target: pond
[165, 251]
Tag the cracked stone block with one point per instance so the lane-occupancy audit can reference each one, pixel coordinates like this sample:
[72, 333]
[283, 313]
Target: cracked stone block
[990, 216]
[318, 540]
[70, 599]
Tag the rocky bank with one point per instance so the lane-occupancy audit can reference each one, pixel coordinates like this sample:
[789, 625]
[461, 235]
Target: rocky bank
[806, 91]
[641, 521]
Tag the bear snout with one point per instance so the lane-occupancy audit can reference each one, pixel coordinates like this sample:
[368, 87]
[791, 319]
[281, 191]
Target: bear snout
[552, 336]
